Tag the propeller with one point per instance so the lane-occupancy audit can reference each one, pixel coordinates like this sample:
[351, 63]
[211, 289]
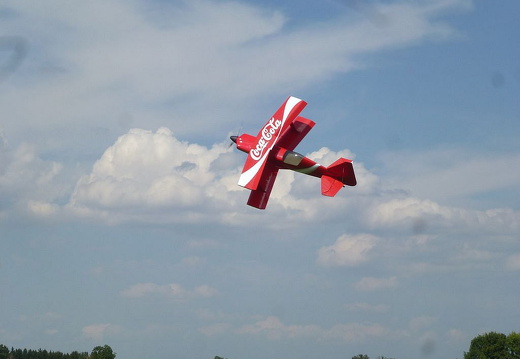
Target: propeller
[234, 138]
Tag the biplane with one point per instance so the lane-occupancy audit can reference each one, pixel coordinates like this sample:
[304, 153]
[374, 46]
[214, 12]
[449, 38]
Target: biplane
[272, 150]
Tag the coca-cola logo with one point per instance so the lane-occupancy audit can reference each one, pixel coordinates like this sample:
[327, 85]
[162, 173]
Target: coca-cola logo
[267, 132]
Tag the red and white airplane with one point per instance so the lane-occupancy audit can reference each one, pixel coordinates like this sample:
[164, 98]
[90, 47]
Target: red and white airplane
[272, 150]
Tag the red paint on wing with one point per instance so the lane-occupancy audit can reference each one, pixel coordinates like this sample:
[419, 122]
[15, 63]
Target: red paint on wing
[267, 137]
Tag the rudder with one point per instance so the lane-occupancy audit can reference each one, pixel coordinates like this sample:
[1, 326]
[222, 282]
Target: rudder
[343, 171]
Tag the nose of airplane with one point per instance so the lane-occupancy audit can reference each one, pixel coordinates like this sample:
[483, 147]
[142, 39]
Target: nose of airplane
[233, 138]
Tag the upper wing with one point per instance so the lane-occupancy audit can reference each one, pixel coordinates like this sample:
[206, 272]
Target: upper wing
[266, 139]
[258, 198]
[292, 136]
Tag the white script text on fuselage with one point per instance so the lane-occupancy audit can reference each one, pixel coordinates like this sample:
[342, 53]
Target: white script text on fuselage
[267, 132]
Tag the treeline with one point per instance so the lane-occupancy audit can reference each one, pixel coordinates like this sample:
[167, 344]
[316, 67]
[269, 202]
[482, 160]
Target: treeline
[5, 353]
[99, 352]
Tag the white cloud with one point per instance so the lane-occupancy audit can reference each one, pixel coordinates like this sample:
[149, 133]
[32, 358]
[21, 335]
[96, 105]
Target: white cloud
[173, 290]
[348, 250]
[456, 335]
[275, 329]
[145, 171]
[154, 177]
[96, 332]
[145, 66]
[93, 64]
[29, 183]
[205, 291]
[448, 175]
[422, 214]
[42, 209]
[370, 284]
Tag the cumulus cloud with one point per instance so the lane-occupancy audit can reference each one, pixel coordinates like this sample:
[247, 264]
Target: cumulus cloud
[28, 182]
[348, 250]
[153, 176]
[173, 290]
[146, 171]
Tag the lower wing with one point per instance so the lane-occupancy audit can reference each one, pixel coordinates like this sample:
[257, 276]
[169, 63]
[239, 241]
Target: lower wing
[259, 197]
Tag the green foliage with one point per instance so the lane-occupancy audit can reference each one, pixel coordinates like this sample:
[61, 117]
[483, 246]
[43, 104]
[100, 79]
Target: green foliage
[494, 345]
[102, 352]
[5, 353]
[513, 343]
[360, 356]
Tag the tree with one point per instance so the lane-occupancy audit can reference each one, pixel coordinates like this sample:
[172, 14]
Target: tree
[360, 356]
[4, 352]
[513, 343]
[102, 352]
[494, 346]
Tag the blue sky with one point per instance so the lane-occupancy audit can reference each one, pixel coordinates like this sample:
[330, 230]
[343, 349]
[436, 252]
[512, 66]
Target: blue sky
[121, 221]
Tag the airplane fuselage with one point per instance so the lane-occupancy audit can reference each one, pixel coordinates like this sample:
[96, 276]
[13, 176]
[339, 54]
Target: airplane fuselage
[283, 158]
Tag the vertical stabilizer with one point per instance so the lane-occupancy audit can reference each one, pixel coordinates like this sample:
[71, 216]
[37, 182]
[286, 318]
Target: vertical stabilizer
[338, 174]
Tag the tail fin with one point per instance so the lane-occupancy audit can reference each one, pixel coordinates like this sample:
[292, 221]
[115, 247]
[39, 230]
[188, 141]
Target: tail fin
[330, 186]
[338, 174]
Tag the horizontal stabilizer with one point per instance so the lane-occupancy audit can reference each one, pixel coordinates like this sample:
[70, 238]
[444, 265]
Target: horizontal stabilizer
[330, 186]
